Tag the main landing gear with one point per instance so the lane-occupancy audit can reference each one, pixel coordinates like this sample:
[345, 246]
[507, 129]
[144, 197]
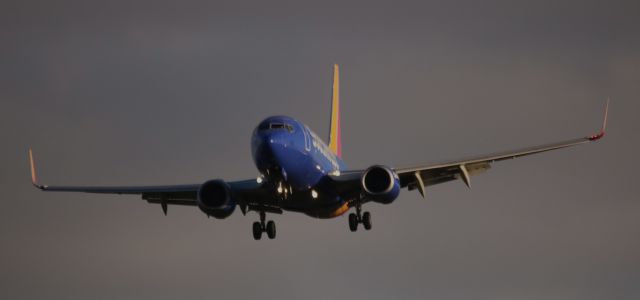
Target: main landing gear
[260, 227]
[359, 218]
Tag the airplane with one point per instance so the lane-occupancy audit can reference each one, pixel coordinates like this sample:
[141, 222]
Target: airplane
[301, 173]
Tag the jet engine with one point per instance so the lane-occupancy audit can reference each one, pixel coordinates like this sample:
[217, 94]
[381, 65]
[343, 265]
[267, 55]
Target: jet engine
[215, 199]
[380, 184]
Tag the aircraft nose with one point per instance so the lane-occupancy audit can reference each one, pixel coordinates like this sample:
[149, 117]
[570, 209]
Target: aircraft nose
[274, 145]
[268, 150]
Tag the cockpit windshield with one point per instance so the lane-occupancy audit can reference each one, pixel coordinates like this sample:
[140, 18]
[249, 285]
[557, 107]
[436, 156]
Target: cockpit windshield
[276, 126]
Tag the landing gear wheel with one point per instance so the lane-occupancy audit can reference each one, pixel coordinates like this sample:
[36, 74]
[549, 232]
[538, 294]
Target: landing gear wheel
[353, 222]
[271, 229]
[257, 230]
[366, 220]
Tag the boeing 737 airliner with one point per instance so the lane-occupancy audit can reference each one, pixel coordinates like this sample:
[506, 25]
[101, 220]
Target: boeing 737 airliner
[300, 173]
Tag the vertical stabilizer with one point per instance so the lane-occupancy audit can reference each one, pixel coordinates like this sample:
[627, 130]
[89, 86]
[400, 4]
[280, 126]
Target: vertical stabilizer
[335, 143]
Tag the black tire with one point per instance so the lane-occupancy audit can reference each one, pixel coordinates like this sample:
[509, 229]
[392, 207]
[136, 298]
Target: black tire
[257, 230]
[271, 229]
[353, 222]
[366, 220]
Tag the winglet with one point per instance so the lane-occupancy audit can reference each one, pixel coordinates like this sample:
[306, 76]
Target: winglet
[600, 134]
[34, 177]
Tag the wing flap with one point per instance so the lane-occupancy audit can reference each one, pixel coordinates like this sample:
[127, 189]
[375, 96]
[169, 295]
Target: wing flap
[126, 190]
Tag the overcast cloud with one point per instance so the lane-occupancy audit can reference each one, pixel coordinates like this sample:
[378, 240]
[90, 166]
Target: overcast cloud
[160, 92]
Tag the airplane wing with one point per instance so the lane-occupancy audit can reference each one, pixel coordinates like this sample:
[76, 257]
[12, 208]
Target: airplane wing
[419, 177]
[247, 192]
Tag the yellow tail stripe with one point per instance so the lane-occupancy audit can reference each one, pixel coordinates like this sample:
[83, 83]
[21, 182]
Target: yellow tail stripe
[334, 137]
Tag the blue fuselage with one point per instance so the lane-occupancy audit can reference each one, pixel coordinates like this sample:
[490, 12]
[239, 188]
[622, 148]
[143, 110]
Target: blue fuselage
[296, 162]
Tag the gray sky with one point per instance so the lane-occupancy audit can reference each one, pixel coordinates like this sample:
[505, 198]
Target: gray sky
[153, 92]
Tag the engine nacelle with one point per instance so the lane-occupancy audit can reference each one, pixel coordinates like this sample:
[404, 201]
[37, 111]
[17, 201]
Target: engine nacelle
[215, 199]
[380, 184]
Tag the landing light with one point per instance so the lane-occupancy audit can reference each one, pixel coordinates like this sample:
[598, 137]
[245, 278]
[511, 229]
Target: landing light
[314, 194]
[259, 179]
[279, 189]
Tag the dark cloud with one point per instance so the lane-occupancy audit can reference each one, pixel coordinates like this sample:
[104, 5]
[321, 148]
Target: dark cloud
[154, 92]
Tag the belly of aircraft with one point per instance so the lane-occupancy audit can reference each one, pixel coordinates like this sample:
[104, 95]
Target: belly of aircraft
[325, 205]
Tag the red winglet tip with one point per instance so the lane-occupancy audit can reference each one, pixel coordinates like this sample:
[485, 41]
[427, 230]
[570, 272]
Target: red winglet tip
[596, 136]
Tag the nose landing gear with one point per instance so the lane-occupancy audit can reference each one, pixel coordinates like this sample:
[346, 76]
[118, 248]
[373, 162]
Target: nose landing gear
[284, 190]
[260, 227]
[359, 218]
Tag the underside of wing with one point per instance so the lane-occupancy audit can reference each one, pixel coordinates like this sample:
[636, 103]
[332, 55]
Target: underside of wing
[182, 193]
[247, 193]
